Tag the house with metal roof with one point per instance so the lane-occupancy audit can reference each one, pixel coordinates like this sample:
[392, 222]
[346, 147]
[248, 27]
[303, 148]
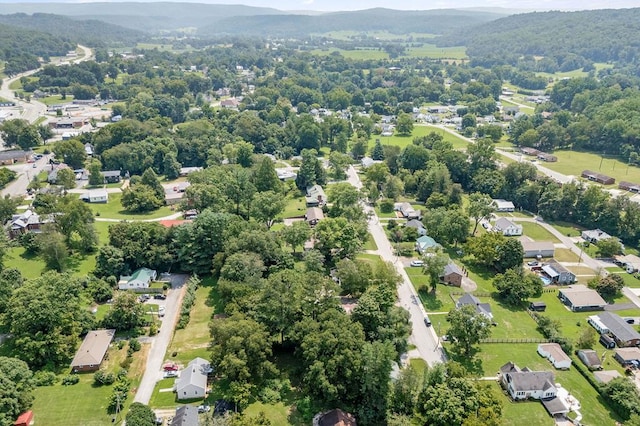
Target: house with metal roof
[315, 196]
[425, 243]
[141, 278]
[92, 351]
[615, 326]
[192, 383]
[558, 274]
[507, 227]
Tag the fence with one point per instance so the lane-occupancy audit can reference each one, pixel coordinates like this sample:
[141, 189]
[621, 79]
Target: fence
[515, 341]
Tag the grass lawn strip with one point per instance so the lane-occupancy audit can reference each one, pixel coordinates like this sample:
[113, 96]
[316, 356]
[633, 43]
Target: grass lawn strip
[114, 210]
[537, 232]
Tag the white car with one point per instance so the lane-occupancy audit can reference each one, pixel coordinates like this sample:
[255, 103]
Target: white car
[417, 263]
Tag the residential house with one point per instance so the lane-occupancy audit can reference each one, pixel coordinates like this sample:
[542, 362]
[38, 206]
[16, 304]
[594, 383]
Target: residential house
[192, 383]
[630, 262]
[507, 228]
[615, 326]
[14, 156]
[426, 243]
[186, 415]
[529, 151]
[92, 351]
[186, 171]
[52, 175]
[417, 225]
[554, 353]
[579, 297]
[335, 417]
[315, 196]
[367, 162]
[594, 235]
[606, 376]
[598, 177]
[285, 174]
[141, 278]
[537, 249]
[313, 215]
[590, 358]
[549, 158]
[95, 196]
[503, 205]
[175, 194]
[481, 308]
[628, 356]
[231, 103]
[407, 210]
[525, 384]
[558, 274]
[111, 176]
[452, 275]
[28, 221]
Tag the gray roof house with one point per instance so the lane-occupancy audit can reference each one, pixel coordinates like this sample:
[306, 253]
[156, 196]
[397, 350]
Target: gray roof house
[27, 221]
[590, 358]
[507, 227]
[594, 235]
[558, 273]
[525, 384]
[111, 176]
[315, 196]
[579, 297]
[192, 383]
[624, 334]
[186, 415]
[407, 210]
[544, 249]
[481, 308]
[417, 225]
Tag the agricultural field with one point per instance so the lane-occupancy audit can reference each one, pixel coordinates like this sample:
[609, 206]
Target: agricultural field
[357, 54]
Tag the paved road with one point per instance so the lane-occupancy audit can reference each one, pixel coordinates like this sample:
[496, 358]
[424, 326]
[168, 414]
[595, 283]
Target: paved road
[160, 343]
[25, 172]
[422, 337]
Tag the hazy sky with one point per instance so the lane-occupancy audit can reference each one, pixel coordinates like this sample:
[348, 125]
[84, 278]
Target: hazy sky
[333, 5]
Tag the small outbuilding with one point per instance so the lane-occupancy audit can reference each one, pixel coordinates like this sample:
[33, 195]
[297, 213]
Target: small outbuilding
[538, 306]
[554, 353]
[590, 358]
[537, 249]
[628, 356]
[24, 419]
[606, 376]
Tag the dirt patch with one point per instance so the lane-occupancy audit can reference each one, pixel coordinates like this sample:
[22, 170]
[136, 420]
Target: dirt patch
[468, 285]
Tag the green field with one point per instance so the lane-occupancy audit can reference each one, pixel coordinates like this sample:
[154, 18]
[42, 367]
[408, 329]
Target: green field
[359, 54]
[574, 73]
[428, 50]
[32, 266]
[574, 162]
[114, 210]
[537, 232]
[419, 130]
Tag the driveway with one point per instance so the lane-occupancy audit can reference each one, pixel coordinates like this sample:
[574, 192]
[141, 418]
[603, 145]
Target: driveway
[422, 337]
[160, 342]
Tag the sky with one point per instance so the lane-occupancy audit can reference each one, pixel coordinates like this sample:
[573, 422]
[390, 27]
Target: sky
[337, 5]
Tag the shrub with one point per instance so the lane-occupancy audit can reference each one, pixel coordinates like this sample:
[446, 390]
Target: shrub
[44, 378]
[70, 379]
[103, 378]
[135, 345]
[188, 301]
[386, 205]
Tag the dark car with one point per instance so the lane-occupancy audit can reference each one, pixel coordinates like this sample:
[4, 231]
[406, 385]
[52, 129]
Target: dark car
[427, 321]
[159, 296]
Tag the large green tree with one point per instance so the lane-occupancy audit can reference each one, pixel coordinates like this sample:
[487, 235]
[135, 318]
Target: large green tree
[467, 328]
[16, 396]
[140, 415]
[480, 207]
[516, 287]
[126, 313]
[71, 152]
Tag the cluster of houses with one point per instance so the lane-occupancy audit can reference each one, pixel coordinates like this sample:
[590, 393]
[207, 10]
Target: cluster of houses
[315, 199]
[532, 152]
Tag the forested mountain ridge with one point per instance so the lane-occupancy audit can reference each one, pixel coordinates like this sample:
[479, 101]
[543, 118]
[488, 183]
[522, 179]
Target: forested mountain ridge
[20, 48]
[566, 40]
[88, 32]
[395, 21]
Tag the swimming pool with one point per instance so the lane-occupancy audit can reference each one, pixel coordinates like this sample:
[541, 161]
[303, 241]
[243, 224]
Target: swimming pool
[545, 280]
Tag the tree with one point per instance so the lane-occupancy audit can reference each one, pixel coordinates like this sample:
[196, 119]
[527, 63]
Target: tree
[110, 262]
[434, 264]
[29, 138]
[622, 395]
[338, 237]
[448, 226]
[480, 207]
[344, 201]
[404, 124]
[377, 153]
[265, 177]
[607, 287]
[17, 389]
[126, 313]
[377, 173]
[509, 255]
[497, 251]
[170, 166]
[53, 249]
[71, 152]
[66, 178]
[140, 415]
[199, 242]
[76, 224]
[515, 287]
[296, 234]
[11, 130]
[354, 275]
[240, 349]
[141, 198]
[266, 206]
[609, 247]
[95, 177]
[339, 163]
[150, 179]
[467, 328]
[587, 339]
[307, 174]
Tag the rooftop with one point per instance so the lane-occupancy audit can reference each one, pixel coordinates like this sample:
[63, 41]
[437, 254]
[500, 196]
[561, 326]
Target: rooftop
[93, 347]
[580, 295]
[618, 327]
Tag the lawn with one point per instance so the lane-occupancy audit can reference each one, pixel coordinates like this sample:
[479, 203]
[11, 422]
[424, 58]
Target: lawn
[574, 162]
[565, 255]
[32, 266]
[368, 257]
[295, 207]
[114, 210]
[531, 413]
[163, 399]
[432, 51]
[370, 244]
[537, 232]
[357, 54]
[568, 229]
[418, 130]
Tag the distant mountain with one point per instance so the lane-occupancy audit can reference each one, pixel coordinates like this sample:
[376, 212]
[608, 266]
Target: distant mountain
[93, 33]
[395, 21]
[149, 17]
[566, 40]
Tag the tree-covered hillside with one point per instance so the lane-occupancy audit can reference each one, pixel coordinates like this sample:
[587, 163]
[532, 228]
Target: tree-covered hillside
[395, 21]
[20, 48]
[89, 32]
[566, 40]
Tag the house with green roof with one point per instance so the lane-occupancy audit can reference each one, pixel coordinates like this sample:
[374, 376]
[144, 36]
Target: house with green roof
[425, 243]
[141, 278]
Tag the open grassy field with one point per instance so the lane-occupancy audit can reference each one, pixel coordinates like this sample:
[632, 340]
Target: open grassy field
[32, 266]
[428, 50]
[574, 73]
[114, 210]
[358, 54]
[574, 162]
[295, 207]
[537, 232]
[418, 130]
[531, 413]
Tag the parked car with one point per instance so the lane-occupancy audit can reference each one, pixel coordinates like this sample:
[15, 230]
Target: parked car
[203, 408]
[417, 263]
[169, 374]
[533, 263]
[160, 296]
[427, 321]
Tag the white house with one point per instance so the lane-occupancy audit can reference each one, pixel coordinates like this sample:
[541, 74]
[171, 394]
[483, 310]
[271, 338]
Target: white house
[506, 227]
[503, 205]
[407, 210]
[96, 196]
[192, 383]
[525, 384]
[139, 279]
[554, 353]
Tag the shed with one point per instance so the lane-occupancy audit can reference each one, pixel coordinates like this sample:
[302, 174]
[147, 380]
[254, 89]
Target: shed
[24, 419]
[554, 353]
[590, 358]
[538, 306]
[606, 376]
[534, 249]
